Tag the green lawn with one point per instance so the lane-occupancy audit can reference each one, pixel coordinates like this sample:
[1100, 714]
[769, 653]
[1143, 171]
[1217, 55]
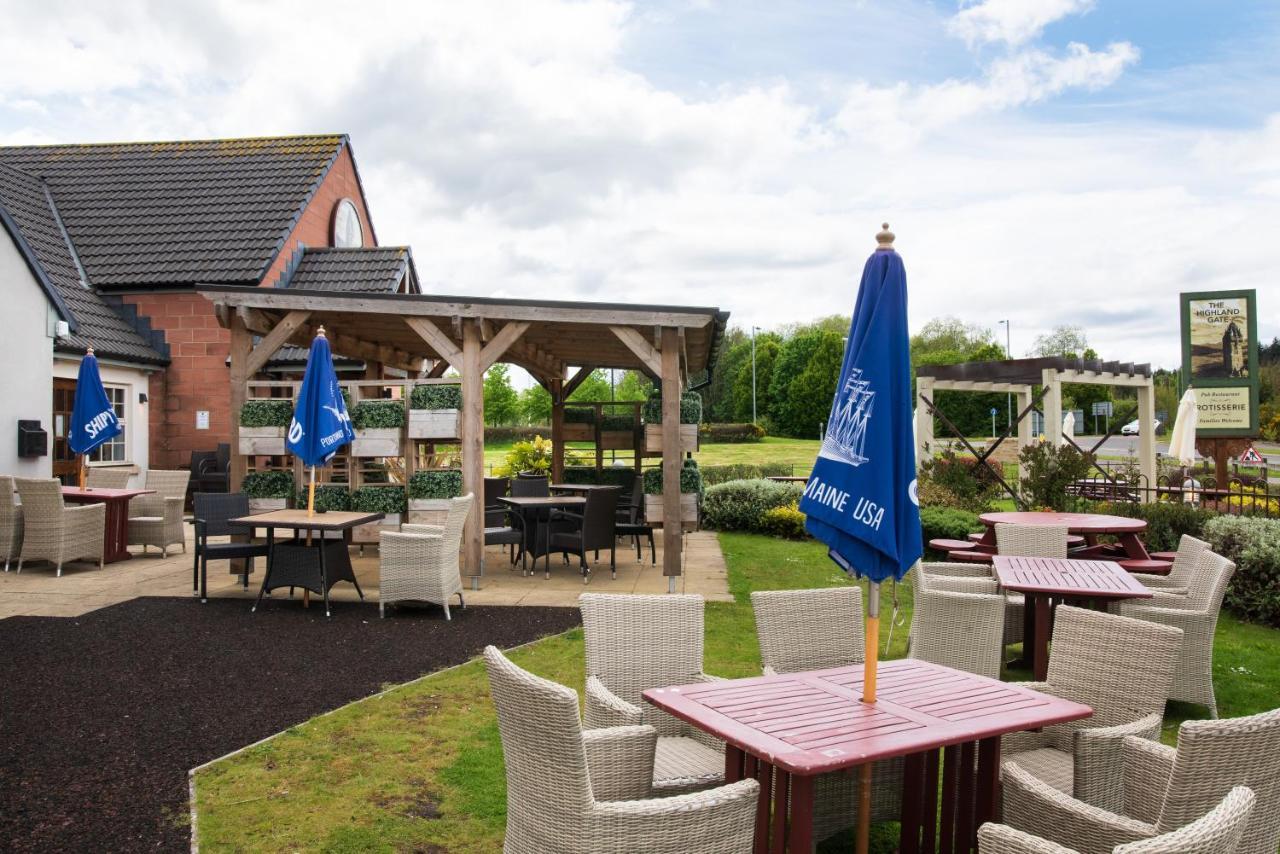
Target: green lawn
[773, 449]
[420, 767]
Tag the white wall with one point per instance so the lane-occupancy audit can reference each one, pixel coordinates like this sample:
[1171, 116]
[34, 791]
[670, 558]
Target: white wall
[137, 430]
[26, 361]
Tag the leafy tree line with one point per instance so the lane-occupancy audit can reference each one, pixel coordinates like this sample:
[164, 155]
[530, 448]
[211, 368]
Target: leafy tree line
[504, 406]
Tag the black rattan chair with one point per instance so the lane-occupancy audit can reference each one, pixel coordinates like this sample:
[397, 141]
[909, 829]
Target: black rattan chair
[212, 475]
[593, 530]
[531, 487]
[213, 512]
[636, 526]
[495, 515]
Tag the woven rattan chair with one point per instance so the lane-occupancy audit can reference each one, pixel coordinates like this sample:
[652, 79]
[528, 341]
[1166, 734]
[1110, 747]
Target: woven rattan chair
[54, 532]
[634, 643]
[1163, 789]
[1119, 667]
[1026, 541]
[958, 622]
[421, 562]
[10, 522]
[156, 520]
[213, 512]
[108, 477]
[1218, 832]
[1197, 615]
[572, 791]
[1184, 565]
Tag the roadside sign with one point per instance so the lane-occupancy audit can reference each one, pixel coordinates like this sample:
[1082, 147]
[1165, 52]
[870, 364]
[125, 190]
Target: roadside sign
[993, 410]
[1101, 407]
[1251, 456]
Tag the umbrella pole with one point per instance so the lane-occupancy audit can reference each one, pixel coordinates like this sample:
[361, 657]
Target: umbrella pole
[80, 469]
[872, 642]
[311, 511]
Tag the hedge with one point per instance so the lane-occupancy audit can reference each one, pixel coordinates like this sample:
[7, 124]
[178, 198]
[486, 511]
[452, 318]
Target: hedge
[436, 483]
[1166, 521]
[1254, 545]
[379, 499]
[623, 476]
[947, 523]
[579, 415]
[740, 505]
[378, 414]
[515, 434]
[266, 413]
[622, 423]
[690, 408]
[268, 484]
[436, 397]
[744, 471]
[329, 496]
[731, 433]
[690, 479]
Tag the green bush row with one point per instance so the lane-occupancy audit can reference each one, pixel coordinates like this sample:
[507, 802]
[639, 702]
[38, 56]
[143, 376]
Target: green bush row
[378, 414]
[268, 484]
[947, 523]
[436, 397]
[711, 475]
[690, 409]
[329, 496]
[379, 499]
[624, 477]
[730, 433]
[690, 479]
[1254, 545]
[436, 483]
[740, 505]
[1166, 521]
[266, 413]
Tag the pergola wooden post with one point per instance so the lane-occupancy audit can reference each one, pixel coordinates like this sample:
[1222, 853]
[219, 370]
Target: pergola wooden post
[924, 420]
[556, 389]
[1025, 435]
[1052, 407]
[472, 428]
[672, 463]
[241, 347]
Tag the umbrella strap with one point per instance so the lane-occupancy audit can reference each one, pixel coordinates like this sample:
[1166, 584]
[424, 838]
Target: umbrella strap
[894, 617]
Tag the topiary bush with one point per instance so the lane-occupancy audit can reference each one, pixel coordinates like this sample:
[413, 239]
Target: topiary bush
[623, 476]
[1049, 471]
[690, 408]
[690, 479]
[329, 496]
[1254, 546]
[740, 505]
[712, 475]
[379, 499]
[785, 522]
[618, 423]
[378, 414]
[579, 415]
[436, 483]
[960, 481]
[1166, 521]
[267, 484]
[947, 523]
[266, 413]
[730, 433]
[436, 397]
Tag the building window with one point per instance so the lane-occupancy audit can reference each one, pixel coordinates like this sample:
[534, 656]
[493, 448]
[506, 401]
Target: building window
[115, 449]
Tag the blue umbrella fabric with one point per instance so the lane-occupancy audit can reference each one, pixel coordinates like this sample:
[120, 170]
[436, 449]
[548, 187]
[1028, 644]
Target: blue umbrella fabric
[861, 497]
[93, 419]
[320, 424]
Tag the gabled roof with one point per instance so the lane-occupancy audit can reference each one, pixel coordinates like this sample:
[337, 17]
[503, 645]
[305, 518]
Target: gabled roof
[27, 207]
[177, 213]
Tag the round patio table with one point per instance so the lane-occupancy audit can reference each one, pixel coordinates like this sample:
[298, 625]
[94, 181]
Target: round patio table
[1088, 525]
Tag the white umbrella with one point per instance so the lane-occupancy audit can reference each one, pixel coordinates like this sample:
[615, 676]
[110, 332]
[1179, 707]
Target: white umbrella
[1182, 441]
[1069, 425]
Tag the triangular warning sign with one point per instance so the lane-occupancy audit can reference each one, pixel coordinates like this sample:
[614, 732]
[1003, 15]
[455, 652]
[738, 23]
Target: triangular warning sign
[1251, 456]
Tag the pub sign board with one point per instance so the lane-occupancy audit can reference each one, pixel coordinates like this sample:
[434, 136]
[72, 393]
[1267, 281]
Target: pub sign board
[1220, 360]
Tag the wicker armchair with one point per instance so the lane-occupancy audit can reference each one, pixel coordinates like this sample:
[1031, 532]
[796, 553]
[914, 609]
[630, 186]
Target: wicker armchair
[634, 643]
[958, 622]
[1197, 615]
[421, 562]
[1163, 788]
[1026, 541]
[1122, 669]
[1217, 832]
[10, 521]
[156, 520]
[1184, 566]
[108, 477]
[57, 533]
[583, 792]
[813, 630]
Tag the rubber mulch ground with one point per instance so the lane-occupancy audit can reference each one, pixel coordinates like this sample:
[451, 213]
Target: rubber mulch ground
[102, 715]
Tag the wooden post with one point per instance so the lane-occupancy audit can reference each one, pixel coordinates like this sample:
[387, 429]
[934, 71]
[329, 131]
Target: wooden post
[672, 525]
[924, 421]
[1052, 407]
[1025, 436]
[557, 430]
[473, 447]
[1147, 437]
[241, 347]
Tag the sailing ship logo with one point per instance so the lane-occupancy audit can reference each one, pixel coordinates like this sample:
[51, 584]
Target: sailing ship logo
[847, 430]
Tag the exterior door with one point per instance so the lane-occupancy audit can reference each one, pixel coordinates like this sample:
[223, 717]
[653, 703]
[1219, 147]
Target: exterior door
[64, 462]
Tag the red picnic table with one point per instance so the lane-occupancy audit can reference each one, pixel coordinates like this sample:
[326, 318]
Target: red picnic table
[116, 536]
[1088, 525]
[1042, 580]
[785, 730]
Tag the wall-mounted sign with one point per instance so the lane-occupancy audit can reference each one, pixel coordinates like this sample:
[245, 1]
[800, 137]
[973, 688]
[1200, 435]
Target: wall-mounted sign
[1220, 360]
[202, 419]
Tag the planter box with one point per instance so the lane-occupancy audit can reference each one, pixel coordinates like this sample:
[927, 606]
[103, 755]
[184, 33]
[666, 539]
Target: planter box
[262, 440]
[617, 440]
[377, 442]
[579, 432]
[369, 533]
[688, 510]
[266, 505]
[433, 424]
[428, 511]
[653, 439]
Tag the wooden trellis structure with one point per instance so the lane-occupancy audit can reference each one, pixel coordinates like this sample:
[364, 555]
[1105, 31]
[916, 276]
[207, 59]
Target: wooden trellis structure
[558, 343]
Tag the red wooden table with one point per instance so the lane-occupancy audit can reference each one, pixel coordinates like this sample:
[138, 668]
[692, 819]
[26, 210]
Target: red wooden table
[116, 536]
[1042, 580]
[1088, 525]
[785, 730]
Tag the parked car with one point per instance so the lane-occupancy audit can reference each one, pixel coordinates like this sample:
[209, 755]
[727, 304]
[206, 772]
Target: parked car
[1131, 429]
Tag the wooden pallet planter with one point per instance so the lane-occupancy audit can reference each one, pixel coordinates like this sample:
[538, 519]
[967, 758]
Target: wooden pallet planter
[428, 511]
[578, 432]
[377, 442]
[369, 533]
[266, 505]
[688, 510]
[653, 439]
[433, 424]
[617, 440]
[262, 441]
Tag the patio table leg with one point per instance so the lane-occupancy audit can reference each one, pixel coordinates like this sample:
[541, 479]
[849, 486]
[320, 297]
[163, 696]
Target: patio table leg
[781, 793]
[912, 806]
[929, 835]
[732, 764]
[266, 573]
[950, 783]
[1133, 547]
[800, 835]
[988, 781]
[966, 830]
[1040, 641]
[765, 777]
[324, 577]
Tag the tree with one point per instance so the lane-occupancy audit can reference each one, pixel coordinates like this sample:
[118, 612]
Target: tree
[1064, 340]
[501, 403]
[535, 406]
[718, 401]
[634, 385]
[803, 384]
[950, 341]
[594, 388]
[768, 346]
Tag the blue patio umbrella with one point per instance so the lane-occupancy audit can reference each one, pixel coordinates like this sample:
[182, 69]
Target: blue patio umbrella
[320, 424]
[93, 418]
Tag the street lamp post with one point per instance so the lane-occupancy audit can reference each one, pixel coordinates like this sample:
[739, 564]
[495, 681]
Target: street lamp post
[1008, 352]
[754, 330]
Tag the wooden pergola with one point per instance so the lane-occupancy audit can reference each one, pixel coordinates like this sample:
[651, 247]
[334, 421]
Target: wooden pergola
[558, 343]
[1020, 377]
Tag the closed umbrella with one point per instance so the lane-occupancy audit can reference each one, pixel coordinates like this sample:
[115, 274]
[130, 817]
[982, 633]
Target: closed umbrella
[1069, 425]
[320, 424]
[1182, 441]
[93, 418]
[861, 497]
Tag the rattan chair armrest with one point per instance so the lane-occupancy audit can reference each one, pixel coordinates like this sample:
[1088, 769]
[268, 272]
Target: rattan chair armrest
[84, 514]
[418, 528]
[1147, 769]
[620, 761]
[1042, 687]
[565, 514]
[1003, 839]
[957, 570]
[408, 536]
[1099, 760]
[1179, 618]
[1159, 599]
[1033, 806]
[707, 677]
[964, 584]
[719, 820]
[606, 709]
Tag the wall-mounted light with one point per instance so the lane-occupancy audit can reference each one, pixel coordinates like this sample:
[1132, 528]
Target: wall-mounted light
[142, 397]
[61, 329]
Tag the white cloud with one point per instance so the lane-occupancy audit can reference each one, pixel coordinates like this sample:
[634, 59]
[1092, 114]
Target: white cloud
[1013, 22]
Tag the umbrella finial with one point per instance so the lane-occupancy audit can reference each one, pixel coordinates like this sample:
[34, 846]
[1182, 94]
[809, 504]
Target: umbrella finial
[320, 332]
[885, 237]
[89, 352]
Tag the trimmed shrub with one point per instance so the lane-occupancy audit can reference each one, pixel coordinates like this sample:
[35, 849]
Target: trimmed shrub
[268, 484]
[379, 499]
[436, 397]
[329, 496]
[1049, 471]
[785, 522]
[690, 479]
[436, 483]
[947, 523]
[515, 434]
[712, 475]
[1166, 521]
[623, 476]
[621, 423]
[1254, 545]
[740, 505]
[266, 413]
[378, 414]
[690, 408]
[730, 433]
[579, 415]
[968, 485]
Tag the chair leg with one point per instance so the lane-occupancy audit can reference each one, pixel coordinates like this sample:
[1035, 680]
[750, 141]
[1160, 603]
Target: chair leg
[461, 602]
[653, 549]
[19, 566]
[59, 572]
[382, 610]
[613, 562]
[446, 610]
[195, 574]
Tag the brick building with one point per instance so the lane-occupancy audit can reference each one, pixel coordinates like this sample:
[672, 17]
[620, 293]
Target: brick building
[123, 233]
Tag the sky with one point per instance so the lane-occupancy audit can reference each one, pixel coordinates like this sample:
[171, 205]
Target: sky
[1041, 161]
